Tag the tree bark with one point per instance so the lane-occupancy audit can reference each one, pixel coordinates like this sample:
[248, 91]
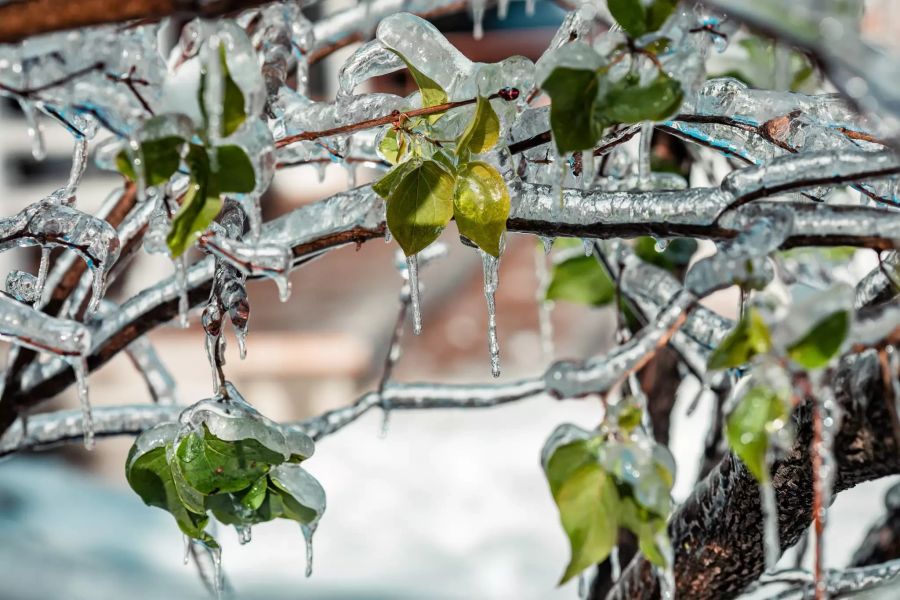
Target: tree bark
[718, 533]
[24, 18]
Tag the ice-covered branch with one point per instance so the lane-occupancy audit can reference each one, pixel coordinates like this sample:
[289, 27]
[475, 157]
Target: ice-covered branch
[358, 215]
[866, 76]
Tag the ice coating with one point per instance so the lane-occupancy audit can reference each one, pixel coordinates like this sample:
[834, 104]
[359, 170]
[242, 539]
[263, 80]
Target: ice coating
[254, 260]
[744, 259]
[598, 375]
[490, 267]
[52, 224]
[23, 325]
[369, 60]
[309, 493]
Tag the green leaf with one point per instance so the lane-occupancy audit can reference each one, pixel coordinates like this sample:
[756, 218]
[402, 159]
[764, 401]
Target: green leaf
[749, 338]
[149, 475]
[481, 205]
[582, 280]
[646, 526]
[626, 101]
[637, 17]
[747, 429]
[200, 206]
[420, 206]
[483, 130]
[161, 159]
[384, 186]
[256, 493]
[629, 416]
[211, 465]
[676, 256]
[587, 500]
[393, 146]
[234, 112]
[658, 12]
[432, 93]
[822, 342]
[302, 496]
[235, 173]
[572, 92]
[630, 15]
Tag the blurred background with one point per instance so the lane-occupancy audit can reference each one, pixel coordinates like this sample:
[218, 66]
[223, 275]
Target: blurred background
[445, 505]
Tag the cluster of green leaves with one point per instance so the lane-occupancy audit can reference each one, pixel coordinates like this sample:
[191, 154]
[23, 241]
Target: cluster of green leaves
[229, 171]
[242, 482]
[586, 101]
[429, 184]
[582, 280]
[602, 483]
[763, 411]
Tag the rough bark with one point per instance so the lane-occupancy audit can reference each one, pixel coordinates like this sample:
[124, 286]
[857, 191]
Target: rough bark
[717, 534]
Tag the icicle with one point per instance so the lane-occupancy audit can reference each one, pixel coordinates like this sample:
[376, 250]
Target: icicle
[79, 164]
[615, 567]
[477, 19]
[644, 170]
[187, 548]
[387, 236]
[35, 131]
[771, 537]
[545, 323]
[588, 245]
[79, 365]
[582, 586]
[547, 242]
[181, 281]
[308, 531]
[412, 265]
[502, 9]
[490, 266]
[244, 533]
[241, 337]
[42, 275]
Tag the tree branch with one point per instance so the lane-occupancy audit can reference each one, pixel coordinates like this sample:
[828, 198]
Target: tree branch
[717, 533]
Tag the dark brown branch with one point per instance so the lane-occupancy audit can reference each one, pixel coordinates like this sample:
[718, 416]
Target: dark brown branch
[23, 18]
[717, 533]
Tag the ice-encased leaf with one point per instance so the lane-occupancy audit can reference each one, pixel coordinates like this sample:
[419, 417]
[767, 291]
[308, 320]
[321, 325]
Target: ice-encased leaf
[628, 101]
[572, 92]
[150, 476]
[822, 343]
[638, 17]
[234, 421]
[587, 500]
[420, 206]
[302, 494]
[197, 211]
[235, 171]
[749, 338]
[233, 111]
[483, 130]
[481, 205]
[759, 413]
[212, 465]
